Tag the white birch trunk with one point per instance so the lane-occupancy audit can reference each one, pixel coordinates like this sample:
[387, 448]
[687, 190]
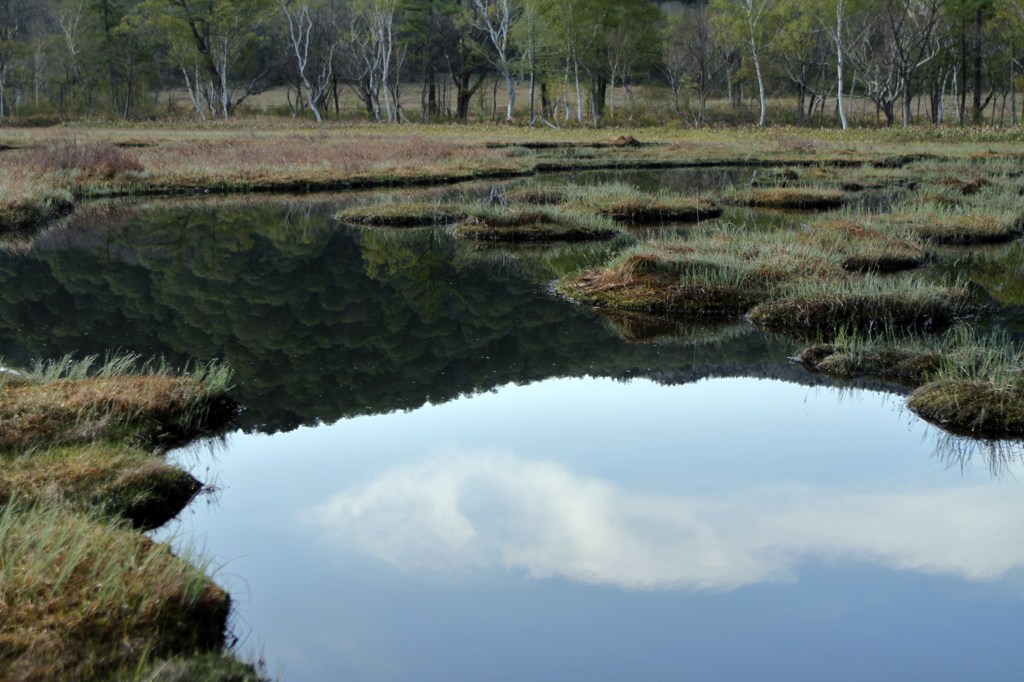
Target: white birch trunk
[840, 7]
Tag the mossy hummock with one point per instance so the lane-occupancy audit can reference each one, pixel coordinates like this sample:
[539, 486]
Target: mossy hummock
[403, 214]
[790, 198]
[534, 224]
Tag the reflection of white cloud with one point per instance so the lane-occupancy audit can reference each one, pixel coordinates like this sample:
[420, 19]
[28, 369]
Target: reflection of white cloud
[488, 510]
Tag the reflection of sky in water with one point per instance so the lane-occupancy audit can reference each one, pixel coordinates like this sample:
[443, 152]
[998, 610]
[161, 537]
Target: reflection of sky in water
[588, 529]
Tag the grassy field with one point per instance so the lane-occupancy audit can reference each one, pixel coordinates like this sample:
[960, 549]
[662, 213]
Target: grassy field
[45, 172]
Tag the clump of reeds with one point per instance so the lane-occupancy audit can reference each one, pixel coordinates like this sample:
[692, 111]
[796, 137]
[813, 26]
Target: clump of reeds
[72, 401]
[81, 598]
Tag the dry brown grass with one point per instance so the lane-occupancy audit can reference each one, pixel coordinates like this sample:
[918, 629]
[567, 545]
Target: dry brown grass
[34, 415]
[795, 281]
[861, 246]
[798, 198]
[959, 227]
[290, 160]
[116, 480]
[81, 598]
[91, 160]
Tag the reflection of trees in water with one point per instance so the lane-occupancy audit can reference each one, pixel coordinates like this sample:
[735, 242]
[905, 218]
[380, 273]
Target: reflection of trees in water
[999, 457]
[322, 322]
[414, 263]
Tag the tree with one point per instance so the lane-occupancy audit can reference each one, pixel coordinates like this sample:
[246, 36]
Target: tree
[429, 33]
[801, 48]
[211, 38]
[745, 20]
[306, 25]
[690, 55]
[496, 19]
[628, 41]
[466, 64]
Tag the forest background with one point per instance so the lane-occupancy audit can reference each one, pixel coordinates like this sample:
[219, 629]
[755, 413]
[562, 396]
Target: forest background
[539, 62]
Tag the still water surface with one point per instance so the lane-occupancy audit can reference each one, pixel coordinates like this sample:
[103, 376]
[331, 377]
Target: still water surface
[597, 529]
[444, 472]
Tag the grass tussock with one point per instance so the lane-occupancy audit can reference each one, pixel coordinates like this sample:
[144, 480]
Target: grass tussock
[860, 246]
[978, 390]
[958, 226]
[534, 224]
[910, 360]
[963, 382]
[403, 214]
[789, 198]
[81, 597]
[82, 594]
[627, 204]
[67, 401]
[869, 305]
[980, 408]
[844, 178]
[114, 480]
[536, 195]
[19, 213]
[794, 281]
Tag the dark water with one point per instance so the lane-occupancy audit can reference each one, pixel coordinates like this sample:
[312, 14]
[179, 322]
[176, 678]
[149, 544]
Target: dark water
[445, 472]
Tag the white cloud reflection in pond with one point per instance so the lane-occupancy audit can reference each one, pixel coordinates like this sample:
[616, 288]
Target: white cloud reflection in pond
[465, 511]
[606, 530]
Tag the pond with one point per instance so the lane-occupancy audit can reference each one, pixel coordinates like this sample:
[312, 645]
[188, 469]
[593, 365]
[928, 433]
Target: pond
[444, 471]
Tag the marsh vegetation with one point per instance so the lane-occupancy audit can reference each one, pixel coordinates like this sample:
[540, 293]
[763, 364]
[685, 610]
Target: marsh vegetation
[898, 274]
[84, 594]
